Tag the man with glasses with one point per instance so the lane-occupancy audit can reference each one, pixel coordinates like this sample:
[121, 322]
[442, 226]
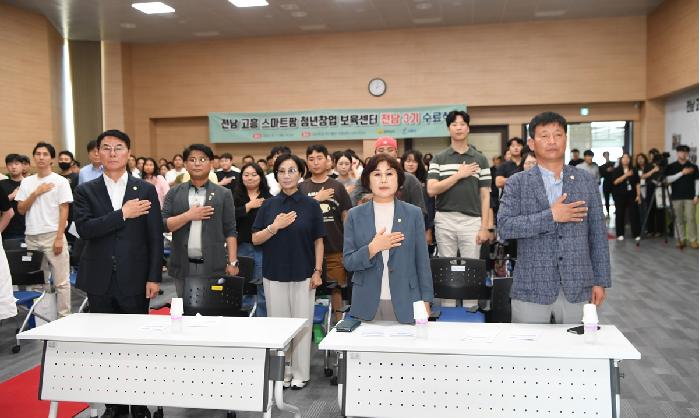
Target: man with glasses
[44, 198]
[94, 169]
[118, 216]
[201, 216]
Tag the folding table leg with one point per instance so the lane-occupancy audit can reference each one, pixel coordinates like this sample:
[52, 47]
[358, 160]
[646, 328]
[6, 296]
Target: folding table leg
[53, 410]
[279, 400]
[93, 410]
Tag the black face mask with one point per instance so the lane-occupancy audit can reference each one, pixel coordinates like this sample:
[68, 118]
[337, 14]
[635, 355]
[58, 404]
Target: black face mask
[64, 166]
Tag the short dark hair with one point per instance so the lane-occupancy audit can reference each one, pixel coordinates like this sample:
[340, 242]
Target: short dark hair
[515, 139]
[226, 155]
[117, 134]
[374, 162]
[262, 160]
[545, 118]
[197, 147]
[301, 165]
[682, 147]
[575, 150]
[453, 115]
[280, 149]
[49, 148]
[317, 148]
[588, 152]
[91, 145]
[421, 172]
[12, 158]
[177, 155]
[24, 159]
[68, 153]
[239, 191]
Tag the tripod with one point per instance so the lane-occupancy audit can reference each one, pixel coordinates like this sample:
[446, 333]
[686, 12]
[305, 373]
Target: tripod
[664, 205]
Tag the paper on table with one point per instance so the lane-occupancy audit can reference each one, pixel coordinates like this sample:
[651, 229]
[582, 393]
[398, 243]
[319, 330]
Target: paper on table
[524, 334]
[391, 331]
[481, 335]
[154, 327]
[202, 321]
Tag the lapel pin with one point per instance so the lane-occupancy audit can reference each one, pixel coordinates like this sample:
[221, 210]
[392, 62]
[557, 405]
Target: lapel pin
[136, 188]
[399, 219]
[571, 177]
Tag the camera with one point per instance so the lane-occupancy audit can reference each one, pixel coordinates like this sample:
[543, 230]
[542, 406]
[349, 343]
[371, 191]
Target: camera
[661, 159]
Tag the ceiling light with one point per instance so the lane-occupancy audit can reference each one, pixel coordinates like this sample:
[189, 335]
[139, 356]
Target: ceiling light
[154, 7]
[249, 3]
[427, 20]
[299, 14]
[550, 13]
[289, 7]
[424, 6]
[319, 26]
[207, 34]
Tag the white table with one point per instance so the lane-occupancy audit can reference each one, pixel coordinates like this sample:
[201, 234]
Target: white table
[213, 363]
[482, 370]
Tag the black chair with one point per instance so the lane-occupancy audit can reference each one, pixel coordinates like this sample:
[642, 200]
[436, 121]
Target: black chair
[246, 269]
[214, 296]
[25, 269]
[459, 278]
[500, 300]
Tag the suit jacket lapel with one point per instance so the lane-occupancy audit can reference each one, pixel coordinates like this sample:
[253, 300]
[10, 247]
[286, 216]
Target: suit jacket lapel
[131, 192]
[398, 223]
[103, 195]
[568, 178]
[540, 192]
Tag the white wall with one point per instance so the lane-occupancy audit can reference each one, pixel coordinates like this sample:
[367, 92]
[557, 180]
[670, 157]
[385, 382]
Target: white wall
[682, 119]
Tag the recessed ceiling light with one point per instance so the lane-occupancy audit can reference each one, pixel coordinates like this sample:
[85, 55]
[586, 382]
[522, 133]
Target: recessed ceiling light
[249, 3]
[289, 6]
[424, 6]
[319, 26]
[205, 34]
[550, 13]
[127, 25]
[299, 14]
[427, 20]
[154, 7]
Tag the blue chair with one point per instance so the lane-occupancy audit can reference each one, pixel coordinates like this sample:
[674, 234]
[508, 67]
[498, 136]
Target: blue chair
[459, 278]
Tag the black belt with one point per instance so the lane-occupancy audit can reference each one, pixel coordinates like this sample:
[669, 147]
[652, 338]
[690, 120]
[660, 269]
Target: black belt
[197, 260]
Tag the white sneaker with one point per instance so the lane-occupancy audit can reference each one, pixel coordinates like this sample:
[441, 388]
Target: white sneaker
[287, 383]
[298, 384]
[621, 238]
[638, 239]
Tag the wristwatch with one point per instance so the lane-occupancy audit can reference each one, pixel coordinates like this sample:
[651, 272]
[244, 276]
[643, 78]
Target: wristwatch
[234, 263]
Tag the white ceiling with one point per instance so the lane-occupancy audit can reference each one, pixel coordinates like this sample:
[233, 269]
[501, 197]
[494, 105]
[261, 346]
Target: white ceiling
[206, 19]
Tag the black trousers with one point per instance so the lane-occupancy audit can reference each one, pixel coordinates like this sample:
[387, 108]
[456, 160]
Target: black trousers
[626, 208]
[116, 302]
[606, 198]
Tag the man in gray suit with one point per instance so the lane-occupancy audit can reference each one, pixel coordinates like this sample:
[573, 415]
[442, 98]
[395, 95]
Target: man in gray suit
[555, 213]
[200, 214]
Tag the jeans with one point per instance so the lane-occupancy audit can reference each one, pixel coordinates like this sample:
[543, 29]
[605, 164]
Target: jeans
[246, 249]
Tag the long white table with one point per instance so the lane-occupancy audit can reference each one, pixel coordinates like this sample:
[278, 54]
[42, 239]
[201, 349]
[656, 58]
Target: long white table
[212, 363]
[482, 370]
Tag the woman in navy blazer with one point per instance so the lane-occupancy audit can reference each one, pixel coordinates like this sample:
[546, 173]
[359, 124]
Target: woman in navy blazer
[385, 249]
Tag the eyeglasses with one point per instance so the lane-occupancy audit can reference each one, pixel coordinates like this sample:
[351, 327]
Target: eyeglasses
[195, 160]
[117, 150]
[291, 172]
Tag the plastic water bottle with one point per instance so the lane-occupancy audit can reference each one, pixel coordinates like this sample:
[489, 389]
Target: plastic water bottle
[176, 311]
[420, 315]
[422, 329]
[590, 323]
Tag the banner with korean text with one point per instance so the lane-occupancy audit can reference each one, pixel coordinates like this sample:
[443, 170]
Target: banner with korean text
[329, 125]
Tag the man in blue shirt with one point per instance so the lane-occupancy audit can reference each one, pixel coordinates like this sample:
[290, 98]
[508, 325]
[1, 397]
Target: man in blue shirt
[555, 213]
[94, 169]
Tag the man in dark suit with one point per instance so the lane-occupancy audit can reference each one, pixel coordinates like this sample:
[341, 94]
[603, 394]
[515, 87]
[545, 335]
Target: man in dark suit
[201, 216]
[118, 217]
[555, 213]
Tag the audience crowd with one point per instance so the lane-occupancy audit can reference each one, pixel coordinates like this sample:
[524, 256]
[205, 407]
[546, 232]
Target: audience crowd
[328, 218]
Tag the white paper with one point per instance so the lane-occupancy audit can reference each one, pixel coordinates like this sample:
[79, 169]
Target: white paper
[458, 268]
[391, 331]
[202, 321]
[481, 335]
[402, 331]
[524, 334]
[154, 327]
